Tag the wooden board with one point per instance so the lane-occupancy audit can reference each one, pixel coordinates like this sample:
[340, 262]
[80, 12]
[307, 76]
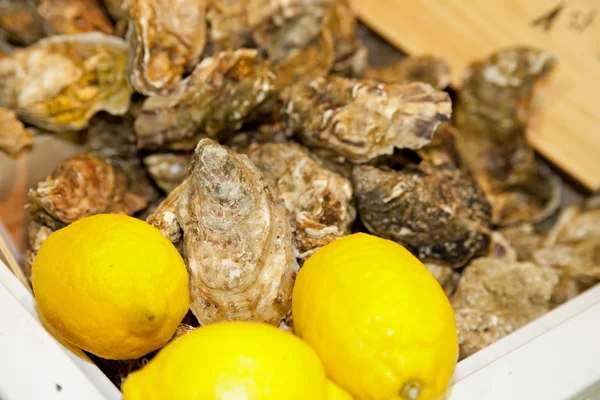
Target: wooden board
[566, 129]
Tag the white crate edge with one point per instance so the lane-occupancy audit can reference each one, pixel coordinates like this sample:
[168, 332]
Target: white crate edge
[554, 357]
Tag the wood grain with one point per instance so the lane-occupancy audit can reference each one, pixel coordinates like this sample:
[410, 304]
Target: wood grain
[566, 128]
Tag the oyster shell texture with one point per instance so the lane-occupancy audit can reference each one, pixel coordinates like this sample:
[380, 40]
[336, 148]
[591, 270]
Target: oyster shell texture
[74, 16]
[220, 95]
[494, 106]
[319, 200]
[168, 170]
[237, 239]
[166, 39]
[60, 82]
[360, 120]
[434, 208]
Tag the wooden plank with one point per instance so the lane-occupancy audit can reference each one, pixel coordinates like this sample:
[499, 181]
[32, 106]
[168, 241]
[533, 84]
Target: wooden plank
[566, 128]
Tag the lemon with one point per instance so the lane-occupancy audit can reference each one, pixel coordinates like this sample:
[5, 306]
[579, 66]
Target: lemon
[380, 322]
[230, 361]
[111, 285]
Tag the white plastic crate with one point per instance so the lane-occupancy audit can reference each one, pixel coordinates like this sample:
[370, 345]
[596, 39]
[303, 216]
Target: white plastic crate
[554, 357]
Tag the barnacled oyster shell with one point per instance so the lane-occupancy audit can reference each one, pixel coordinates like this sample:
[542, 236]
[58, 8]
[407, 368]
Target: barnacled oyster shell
[429, 69]
[222, 93]
[496, 296]
[81, 186]
[292, 34]
[62, 81]
[229, 28]
[360, 120]
[318, 199]
[168, 169]
[237, 239]
[164, 217]
[73, 16]
[20, 22]
[13, 135]
[492, 113]
[166, 39]
[434, 208]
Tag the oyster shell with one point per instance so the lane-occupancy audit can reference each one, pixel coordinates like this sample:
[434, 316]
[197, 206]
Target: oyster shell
[360, 120]
[164, 217]
[62, 17]
[168, 170]
[20, 22]
[497, 296]
[319, 200]
[426, 68]
[222, 93]
[13, 135]
[294, 37]
[81, 186]
[166, 39]
[573, 244]
[62, 81]
[494, 106]
[118, 10]
[229, 26]
[237, 239]
[524, 238]
[434, 207]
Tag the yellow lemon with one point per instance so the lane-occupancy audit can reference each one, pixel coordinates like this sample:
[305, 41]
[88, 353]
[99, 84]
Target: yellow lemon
[380, 322]
[112, 285]
[229, 361]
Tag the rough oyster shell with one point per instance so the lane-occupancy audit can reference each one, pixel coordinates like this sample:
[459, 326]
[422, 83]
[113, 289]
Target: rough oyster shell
[222, 93]
[498, 296]
[492, 113]
[62, 81]
[434, 207]
[166, 39]
[319, 200]
[360, 120]
[237, 239]
[13, 135]
[350, 55]
[63, 17]
[426, 68]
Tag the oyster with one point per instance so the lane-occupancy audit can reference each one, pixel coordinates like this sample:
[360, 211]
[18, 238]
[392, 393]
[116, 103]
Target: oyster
[293, 35]
[81, 186]
[229, 26]
[222, 93]
[497, 296]
[524, 238]
[168, 170]
[492, 113]
[429, 69]
[166, 39]
[573, 244]
[164, 217]
[433, 207]
[20, 22]
[62, 81]
[319, 200]
[73, 16]
[13, 135]
[360, 120]
[118, 10]
[237, 239]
